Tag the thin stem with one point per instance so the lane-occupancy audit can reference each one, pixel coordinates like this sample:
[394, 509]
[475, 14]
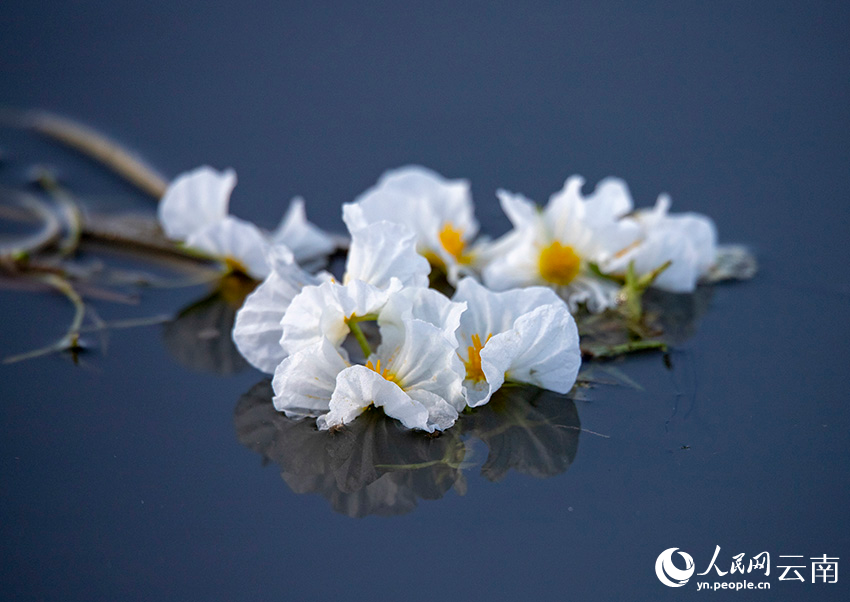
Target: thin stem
[32, 206]
[71, 212]
[100, 148]
[71, 340]
[354, 326]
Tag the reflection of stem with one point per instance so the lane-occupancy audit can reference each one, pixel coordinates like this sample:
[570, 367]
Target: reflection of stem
[412, 466]
[449, 459]
[71, 340]
[519, 421]
[577, 428]
[131, 323]
[602, 351]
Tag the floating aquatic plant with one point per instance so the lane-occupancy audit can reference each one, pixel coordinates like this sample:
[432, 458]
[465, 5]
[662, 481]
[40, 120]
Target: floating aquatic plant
[579, 277]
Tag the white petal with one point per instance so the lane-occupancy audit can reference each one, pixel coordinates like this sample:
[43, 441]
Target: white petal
[321, 312]
[565, 212]
[304, 382]
[307, 241]
[385, 250]
[545, 347]
[597, 294]
[194, 200]
[494, 312]
[521, 211]
[688, 240]
[592, 226]
[441, 415]
[359, 387]
[610, 201]
[423, 304]
[425, 360]
[479, 392]
[257, 330]
[419, 198]
[702, 233]
[235, 239]
[519, 265]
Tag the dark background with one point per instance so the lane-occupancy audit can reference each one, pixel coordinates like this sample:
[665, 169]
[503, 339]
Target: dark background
[123, 478]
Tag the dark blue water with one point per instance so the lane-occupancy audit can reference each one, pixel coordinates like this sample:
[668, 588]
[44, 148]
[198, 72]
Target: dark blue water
[132, 475]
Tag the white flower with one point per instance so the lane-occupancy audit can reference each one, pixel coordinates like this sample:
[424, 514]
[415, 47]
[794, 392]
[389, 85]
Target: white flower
[292, 310]
[307, 242]
[327, 310]
[195, 199]
[437, 210]
[381, 261]
[257, 330]
[415, 374]
[687, 240]
[415, 380]
[194, 209]
[382, 251]
[558, 245]
[522, 335]
[239, 243]
[304, 382]
[424, 304]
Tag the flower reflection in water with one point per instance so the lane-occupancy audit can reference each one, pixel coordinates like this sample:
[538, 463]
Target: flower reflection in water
[374, 466]
[530, 430]
[199, 336]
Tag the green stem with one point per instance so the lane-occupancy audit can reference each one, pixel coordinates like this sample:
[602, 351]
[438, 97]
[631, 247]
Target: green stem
[71, 340]
[354, 326]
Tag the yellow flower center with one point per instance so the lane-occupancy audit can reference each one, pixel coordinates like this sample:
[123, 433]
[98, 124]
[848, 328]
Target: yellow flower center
[473, 364]
[452, 240]
[385, 372]
[233, 265]
[559, 264]
[234, 287]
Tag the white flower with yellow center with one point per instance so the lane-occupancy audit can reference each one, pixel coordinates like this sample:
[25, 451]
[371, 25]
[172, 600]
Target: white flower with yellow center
[414, 377]
[437, 210]
[523, 335]
[194, 210]
[381, 261]
[687, 240]
[559, 246]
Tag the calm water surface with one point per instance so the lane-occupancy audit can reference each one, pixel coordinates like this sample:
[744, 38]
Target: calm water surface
[152, 469]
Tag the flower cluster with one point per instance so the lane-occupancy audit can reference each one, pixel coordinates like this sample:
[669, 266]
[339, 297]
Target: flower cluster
[435, 356]
[380, 337]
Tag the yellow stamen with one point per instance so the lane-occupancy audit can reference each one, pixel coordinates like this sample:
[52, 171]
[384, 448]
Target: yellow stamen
[386, 373]
[559, 264]
[473, 364]
[625, 250]
[234, 265]
[452, 240]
